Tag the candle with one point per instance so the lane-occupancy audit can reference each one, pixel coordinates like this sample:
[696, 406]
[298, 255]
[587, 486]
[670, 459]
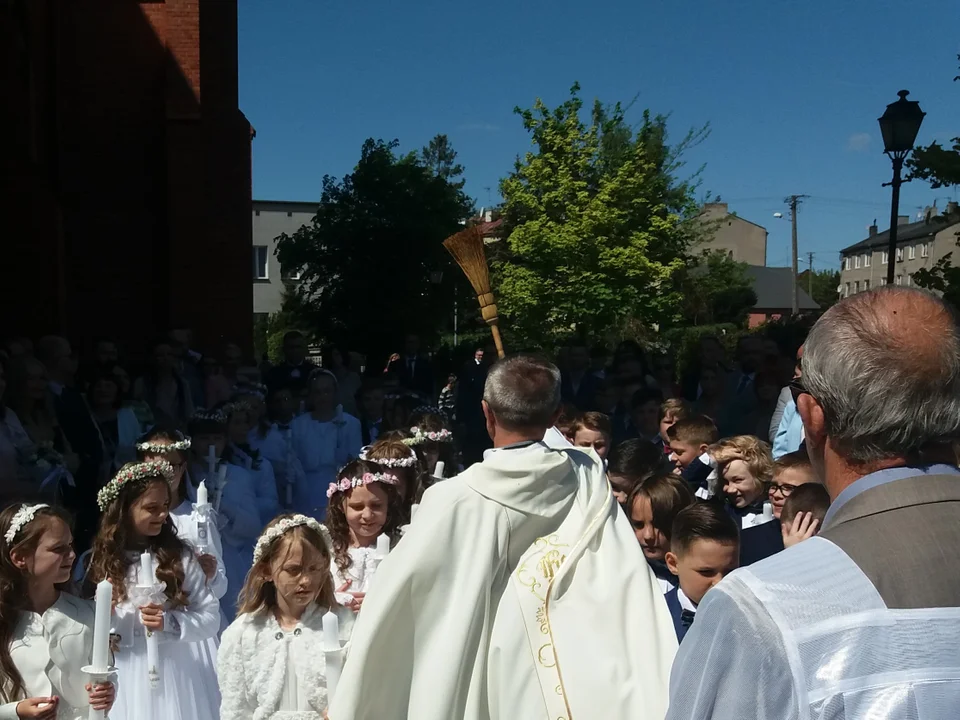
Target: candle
[212, 458]
[147, 573]
[383, 546]
[438, 471]
[767, 511]
[101, 626]
[202, 498]
[332, 653]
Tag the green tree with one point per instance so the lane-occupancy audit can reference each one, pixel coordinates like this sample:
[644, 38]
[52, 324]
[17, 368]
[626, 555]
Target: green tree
[715, 289]
[368, 256]
[825, 283]
[596, 225]
[441, 159]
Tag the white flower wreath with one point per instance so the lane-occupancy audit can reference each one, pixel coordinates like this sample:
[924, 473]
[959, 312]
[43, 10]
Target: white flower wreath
[149, 469]
[201, 415]
[283, 527]
[389, 462]
[421, 436]
[155, 448]
[22, 518]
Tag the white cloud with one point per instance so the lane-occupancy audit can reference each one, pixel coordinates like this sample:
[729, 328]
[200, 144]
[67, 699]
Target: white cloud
[859, 142]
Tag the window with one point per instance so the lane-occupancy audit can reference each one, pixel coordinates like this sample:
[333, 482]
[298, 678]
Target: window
[866, 285]
[883, 281]
[900, 254]
[846, 263]
[257, 213]
[856, 262]
[899, 280]
[856, 287]
[866, 260]
[912, 252]
[909, 280]
[846, 290]
[290, 274]
[290, 213]
[883, 258]
[260, 268]
[924, 249]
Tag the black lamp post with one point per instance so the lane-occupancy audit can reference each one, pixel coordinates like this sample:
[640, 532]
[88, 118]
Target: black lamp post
[899, 126]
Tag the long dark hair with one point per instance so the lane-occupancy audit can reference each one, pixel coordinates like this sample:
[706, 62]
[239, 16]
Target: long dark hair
[14, 598]
[115, 537]
[337, 514]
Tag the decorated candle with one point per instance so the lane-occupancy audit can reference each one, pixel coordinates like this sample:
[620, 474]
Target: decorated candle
[383, 546]
[147, 571]
[767, 511]
[438, 472]
[202, 498]
[101, 626]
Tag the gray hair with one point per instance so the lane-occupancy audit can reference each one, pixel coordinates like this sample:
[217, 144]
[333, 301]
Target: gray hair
[885, 367]
[523, 392]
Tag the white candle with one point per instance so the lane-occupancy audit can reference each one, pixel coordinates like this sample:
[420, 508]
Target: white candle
[438, 471]
[767, 511]
[147, 572]
[332, 653]
[202, 498]
[212, 458]
[413, 511]
[383, 546]
[101, 626]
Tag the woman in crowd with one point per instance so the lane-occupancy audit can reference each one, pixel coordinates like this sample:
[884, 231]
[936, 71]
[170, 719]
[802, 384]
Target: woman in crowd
[348, 382]
[118, 425]
[164, 389]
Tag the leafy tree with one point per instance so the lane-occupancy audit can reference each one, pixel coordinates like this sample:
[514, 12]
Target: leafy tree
[595, 223]
[825, 284]
[368, 255]
[440, 157]
[941, 277]
[715, 289]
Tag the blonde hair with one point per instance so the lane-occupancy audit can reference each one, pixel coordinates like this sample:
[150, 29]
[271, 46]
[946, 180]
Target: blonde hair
[755, 453]
[260, 594]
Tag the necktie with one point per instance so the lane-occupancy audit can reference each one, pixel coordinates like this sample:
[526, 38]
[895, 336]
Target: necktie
[687, 617]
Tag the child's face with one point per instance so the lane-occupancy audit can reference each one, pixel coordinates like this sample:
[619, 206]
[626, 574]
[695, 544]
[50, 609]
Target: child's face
[646, 417]
[652, 541]
[52, 561]
[431, 455]
[200, 447]
[621, 485]
[593, 438]
[784, 483]
[298, 572]
[175, 458]
[238, 427]
[150, 511]
[666, 422]
[739, 484]
[684, 453]
[366, 511]
[371, 402]
[703, 565]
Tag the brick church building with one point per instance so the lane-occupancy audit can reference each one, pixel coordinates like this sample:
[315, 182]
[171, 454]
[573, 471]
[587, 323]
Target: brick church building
[126, 182]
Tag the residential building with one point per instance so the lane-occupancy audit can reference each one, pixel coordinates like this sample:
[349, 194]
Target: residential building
[129, 209]
[919, 245]
[774, 299]
[741, 239]
[272, 218]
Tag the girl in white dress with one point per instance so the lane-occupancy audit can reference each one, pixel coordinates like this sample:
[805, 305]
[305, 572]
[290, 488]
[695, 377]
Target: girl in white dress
[433, 442]
[135, 519]
[365, 503]
[46, 635]
[326, 438]
[272, 660]
[273, 439]
[239, 414]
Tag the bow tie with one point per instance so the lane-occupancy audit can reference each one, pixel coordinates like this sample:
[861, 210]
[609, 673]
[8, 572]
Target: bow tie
[687, 617]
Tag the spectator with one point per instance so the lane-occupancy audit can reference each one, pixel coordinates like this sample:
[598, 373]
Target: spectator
[671, 411]
[592, 430]
[789, 434]
[630, 463]
[880, 402]
[348, 382]
[664, 373]
[294, 371]
[187, 363]
[713, 399]
[710, 354]
[803, 513]
[15, 447]
[139, 406]
[413, 368]
[578, 384]
[766, 389]
[118, 425]
[472, 426]
[370, 404]
[221, 378]
[164, 390]
[790, 471]
[448, 399]
[598, 360]
[645, 415]
[653, 505]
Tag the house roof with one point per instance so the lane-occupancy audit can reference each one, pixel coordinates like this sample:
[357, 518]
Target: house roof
[905, 233]
[772, 286]
[287, 205]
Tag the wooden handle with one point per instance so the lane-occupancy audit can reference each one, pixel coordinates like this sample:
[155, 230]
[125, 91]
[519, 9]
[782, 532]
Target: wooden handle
[497, 341]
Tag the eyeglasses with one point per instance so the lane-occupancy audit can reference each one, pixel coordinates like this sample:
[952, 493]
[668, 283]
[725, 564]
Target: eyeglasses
[796, 388]
[784, 489]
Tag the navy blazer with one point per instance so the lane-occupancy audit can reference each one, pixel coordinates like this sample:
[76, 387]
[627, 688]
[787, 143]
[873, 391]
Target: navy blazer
[759, 542]
[681, 621]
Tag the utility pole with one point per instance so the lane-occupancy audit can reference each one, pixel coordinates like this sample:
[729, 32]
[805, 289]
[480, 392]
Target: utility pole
[793, 201]
[810, 274]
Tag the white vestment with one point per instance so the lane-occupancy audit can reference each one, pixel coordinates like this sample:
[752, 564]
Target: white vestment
[518, 592]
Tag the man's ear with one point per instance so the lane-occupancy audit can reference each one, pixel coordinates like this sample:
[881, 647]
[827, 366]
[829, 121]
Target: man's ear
[814, 424]
[671, 561]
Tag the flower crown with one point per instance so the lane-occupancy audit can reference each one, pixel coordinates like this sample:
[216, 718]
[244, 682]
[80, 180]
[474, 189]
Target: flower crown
[22, 518]
[348, 483]
[201, 415]
[389, 462]
[283, 527]
[420, 436]
[155, 448]
[149, 469]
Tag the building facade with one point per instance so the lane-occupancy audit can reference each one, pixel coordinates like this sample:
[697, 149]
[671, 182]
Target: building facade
[920, 245]
[741, 239]
[272, 218]
[128, 213]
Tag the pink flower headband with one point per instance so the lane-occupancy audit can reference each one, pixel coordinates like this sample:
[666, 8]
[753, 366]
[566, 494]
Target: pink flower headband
[419, 436]
[347, 483]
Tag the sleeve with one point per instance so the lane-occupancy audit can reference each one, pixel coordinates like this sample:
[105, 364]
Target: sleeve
[268, 501]
[234, 704]
[239, 506]
[732, 664]
[784, 398]
[424, 610]
[781, 441]
[9, 711]
[200, 620]
[218, 586]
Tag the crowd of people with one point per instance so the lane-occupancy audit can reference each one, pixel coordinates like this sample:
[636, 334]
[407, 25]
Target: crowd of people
[268, 497]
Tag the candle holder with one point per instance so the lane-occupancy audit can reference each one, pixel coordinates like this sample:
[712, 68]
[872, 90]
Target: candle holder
[98, 676]
[145, 595]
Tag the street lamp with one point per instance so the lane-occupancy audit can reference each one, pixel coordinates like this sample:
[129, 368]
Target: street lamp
[899, 126]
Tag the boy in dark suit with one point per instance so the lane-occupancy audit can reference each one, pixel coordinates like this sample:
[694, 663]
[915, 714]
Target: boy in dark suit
[704, 548]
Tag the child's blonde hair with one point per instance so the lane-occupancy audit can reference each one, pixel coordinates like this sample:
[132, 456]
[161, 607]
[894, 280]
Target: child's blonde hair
[677, 408]
[752, 451]
[259, 593]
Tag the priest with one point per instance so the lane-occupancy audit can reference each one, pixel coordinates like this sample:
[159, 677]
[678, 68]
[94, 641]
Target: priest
[520, 590]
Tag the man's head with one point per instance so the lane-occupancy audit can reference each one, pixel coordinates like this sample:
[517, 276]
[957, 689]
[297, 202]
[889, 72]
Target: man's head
[880, 385]
[105, 351]
[232, 356]
[690, 438]
[520, 399]
[55, 353]
[704, 548]
[671, 411]
[579, 357]
[750, 353]
[478, 355]
[294, 347]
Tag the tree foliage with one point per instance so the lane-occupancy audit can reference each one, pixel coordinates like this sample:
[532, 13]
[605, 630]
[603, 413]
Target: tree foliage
[825, 283]
[715, 289]
[596, 224]
[440, 158]
[368, 255]
[936, 164]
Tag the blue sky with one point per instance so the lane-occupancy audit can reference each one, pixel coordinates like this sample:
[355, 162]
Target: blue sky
[792, 91]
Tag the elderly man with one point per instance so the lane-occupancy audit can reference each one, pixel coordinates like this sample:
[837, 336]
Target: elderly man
[864, 620]
[518, 592]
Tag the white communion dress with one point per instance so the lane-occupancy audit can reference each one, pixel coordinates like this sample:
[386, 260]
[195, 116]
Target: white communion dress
[360, 573]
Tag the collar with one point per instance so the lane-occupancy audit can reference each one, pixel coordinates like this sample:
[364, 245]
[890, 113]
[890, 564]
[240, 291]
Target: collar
[685, 602]
[882, 477]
